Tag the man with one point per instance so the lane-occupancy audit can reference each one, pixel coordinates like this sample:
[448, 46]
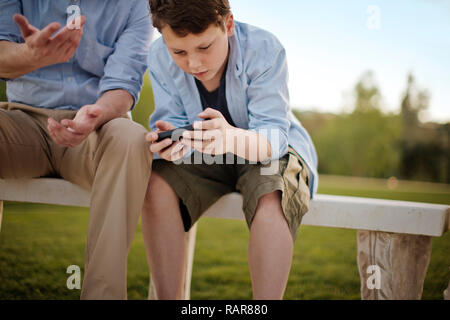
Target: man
[69, 90]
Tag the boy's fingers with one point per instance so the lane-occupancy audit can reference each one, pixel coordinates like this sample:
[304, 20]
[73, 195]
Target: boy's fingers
[167, 153]
[152, 136]
[157, 147]
[207, 124]
[164, 126]
[210, 113]
[198, 145]
[201, 134]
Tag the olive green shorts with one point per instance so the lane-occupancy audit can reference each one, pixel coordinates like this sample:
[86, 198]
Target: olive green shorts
[199, 186]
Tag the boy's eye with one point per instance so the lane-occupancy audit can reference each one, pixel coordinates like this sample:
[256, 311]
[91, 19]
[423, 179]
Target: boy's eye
[179, 52]
[205, 48]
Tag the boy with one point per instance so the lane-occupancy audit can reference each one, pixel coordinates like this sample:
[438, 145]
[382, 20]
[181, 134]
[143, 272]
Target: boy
[234, 77]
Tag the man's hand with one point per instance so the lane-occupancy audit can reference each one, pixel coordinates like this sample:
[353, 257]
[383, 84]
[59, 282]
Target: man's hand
[213, 136]
[70, 133]
[42, 48]
[167, 149]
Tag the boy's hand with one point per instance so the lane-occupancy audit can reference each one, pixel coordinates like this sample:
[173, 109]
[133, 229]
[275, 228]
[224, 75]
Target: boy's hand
[213, 136]
[167, 149]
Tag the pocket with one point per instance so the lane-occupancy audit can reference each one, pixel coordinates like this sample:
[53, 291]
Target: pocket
[298, 174]
[92, 56]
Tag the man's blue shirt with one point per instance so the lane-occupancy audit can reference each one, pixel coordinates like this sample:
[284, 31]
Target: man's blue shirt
[256, 92]
[112, 53]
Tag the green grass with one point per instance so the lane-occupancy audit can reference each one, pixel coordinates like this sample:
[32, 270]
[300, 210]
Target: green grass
[39, 242]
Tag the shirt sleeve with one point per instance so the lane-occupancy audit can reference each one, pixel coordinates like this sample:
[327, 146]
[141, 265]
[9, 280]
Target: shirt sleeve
[268, 104]
[125, 68]
[9, 30]
[168, 105]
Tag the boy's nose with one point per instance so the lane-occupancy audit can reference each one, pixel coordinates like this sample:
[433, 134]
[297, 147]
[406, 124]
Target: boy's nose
[194, 64]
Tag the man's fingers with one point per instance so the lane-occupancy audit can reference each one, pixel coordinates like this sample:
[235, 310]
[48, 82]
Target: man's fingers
[95, 111]
[56, 138]
[69, 34]
[62, 133]
[25, 27]
[47, 32]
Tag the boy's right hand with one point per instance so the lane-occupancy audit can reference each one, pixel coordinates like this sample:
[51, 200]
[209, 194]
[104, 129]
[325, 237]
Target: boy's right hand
[167, 149]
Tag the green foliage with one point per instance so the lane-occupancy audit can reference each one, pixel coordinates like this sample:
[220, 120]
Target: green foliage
[145, 106]
[3, 91]
[358, 144]
[368, 142]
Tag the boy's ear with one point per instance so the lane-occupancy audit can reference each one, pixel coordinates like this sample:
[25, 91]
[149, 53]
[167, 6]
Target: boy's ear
[229, 24]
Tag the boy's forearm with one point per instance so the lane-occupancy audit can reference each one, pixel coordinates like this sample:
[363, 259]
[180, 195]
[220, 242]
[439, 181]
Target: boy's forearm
[250, 145]
[15, 60]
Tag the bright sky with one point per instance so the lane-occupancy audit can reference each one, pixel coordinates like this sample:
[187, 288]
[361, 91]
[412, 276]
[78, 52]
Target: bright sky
[330, 43]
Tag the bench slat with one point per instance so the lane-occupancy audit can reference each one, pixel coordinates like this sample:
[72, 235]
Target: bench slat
[325, 210]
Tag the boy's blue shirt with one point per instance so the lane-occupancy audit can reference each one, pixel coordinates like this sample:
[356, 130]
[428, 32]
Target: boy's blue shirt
[256, 91]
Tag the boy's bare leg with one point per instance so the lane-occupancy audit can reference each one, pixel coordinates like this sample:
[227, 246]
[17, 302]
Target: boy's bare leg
[165, 239]
[270, 249]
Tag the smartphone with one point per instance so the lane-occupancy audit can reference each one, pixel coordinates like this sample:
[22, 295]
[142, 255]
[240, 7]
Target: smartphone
[174, 134]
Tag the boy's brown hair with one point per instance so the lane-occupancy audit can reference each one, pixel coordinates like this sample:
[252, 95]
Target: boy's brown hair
[188, 16]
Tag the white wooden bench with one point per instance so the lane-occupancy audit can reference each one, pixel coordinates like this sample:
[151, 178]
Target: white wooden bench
[393, 236]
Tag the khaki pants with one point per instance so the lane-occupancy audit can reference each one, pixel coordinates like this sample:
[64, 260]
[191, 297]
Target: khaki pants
[114, 163]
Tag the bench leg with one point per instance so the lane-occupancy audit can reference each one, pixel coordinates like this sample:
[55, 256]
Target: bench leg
[188, 272]
[392, 266]
[1, 214]
[447, 292]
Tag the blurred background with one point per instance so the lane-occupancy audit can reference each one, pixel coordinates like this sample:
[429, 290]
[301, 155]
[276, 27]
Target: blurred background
[369, 81]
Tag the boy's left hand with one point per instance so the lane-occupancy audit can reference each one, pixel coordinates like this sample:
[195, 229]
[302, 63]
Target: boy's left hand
[212, 136]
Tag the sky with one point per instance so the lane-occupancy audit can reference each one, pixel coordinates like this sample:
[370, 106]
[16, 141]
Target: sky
[331, 43]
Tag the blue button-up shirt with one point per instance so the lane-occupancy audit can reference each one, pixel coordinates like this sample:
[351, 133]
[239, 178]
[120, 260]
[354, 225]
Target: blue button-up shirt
[256, 92]
[112, 53]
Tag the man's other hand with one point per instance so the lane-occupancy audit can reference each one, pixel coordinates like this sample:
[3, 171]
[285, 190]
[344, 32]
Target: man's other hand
[44, 47]
[70, 133]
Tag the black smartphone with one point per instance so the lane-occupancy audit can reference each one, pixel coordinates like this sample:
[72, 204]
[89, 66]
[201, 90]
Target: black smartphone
[174, 134]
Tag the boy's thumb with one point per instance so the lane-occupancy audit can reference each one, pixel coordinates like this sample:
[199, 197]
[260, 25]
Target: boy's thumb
[163, 126]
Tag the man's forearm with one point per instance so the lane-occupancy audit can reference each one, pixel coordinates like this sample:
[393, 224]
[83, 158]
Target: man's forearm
[114, 104]
[15, 61]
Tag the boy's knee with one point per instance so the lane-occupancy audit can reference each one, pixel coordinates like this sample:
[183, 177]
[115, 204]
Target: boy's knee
[268, 205]
[270, 199]
[158, 189]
